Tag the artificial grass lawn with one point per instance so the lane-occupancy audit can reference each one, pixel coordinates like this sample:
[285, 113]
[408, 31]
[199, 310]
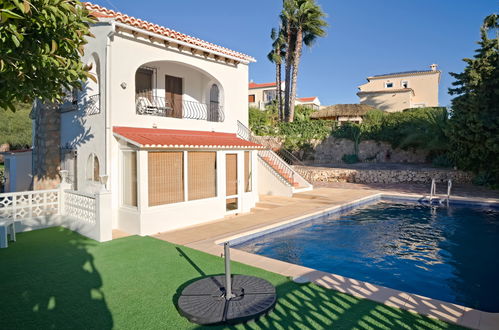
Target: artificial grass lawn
[55, 278]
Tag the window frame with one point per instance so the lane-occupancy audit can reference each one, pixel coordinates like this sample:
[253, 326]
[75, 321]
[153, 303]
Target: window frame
[90, 175]
[388, 83]
[123, 175]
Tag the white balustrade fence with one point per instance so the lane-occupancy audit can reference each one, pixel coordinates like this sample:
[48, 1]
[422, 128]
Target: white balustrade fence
[29, 204]
[80, 206]
[90, 215]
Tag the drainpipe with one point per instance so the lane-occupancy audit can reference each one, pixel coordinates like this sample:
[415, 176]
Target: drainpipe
[107, 100]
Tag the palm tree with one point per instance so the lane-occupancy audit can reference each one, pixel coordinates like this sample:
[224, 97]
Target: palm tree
[305, 22]
[276, 56]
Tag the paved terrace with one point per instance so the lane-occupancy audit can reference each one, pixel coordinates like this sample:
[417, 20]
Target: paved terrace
[272, 211]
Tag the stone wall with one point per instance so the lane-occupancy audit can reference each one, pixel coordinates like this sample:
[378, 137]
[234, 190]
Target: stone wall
[3, 148]
[322, 174]
[46, 148]
[331, 150]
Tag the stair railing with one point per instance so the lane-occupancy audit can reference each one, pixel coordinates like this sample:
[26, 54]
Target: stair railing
[273, 160]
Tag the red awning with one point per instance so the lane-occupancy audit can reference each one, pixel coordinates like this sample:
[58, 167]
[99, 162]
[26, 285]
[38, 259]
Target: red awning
[172, 138]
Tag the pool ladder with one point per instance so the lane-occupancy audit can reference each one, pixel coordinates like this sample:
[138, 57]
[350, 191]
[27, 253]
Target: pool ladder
[433, 191]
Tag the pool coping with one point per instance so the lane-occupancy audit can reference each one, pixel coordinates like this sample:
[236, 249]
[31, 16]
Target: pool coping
[434, 308]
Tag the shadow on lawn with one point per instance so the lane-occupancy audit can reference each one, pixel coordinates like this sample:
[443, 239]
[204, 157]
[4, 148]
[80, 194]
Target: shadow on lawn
[309, 306]
[70, 295]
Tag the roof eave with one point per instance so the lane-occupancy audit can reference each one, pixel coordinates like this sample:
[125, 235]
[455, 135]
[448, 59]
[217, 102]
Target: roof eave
[245, 60]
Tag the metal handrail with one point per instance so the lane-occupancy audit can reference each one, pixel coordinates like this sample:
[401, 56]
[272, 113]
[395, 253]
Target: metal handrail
[283, 168]
[147, 104]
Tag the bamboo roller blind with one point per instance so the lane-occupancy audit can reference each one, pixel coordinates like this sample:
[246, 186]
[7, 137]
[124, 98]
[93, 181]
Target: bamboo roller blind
[166, 177]
[130, 178]
[231, 174]
[247, 171]
[202, 174]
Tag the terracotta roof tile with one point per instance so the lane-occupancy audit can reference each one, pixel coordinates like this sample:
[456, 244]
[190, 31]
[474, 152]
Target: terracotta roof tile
[252, 85]
[102, 12]
[306, 99]
[183, 139]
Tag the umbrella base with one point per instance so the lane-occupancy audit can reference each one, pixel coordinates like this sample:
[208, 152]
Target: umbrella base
[203, 302]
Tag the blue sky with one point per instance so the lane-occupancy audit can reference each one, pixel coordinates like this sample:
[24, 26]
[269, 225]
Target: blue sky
[365, 37]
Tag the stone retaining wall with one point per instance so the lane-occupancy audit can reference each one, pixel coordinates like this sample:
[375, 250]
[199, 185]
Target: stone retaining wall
[321, 174]
[331, 150]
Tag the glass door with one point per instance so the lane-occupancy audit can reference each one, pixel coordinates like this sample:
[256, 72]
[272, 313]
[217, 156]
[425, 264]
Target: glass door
[231, 183]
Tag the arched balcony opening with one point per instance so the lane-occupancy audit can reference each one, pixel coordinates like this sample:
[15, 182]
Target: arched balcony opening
[176, 90]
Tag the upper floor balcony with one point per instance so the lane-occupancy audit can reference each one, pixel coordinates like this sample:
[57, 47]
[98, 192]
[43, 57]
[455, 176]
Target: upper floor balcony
[173, 90]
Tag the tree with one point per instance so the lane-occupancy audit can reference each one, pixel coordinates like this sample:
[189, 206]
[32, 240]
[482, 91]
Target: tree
[276, 56]
[474, 124]
[304, 21]
[15, 127]
[42, 44]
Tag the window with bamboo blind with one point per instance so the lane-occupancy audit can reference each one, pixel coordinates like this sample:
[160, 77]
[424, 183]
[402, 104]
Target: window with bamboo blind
[202, 174]
[166, 177]
[129, 178]
[231, 174]
[247, 171]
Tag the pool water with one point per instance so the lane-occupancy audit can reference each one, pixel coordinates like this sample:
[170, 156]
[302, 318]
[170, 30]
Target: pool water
[447, 253]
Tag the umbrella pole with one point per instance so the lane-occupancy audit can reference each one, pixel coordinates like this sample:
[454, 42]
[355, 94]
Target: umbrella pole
[228, 279]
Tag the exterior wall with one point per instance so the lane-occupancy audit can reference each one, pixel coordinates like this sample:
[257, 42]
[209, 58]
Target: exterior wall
[425, 88]
[115, 61]
[87, 133]
[18, 171]
[259, 97]
[145, 220]
[389, 102]
[270, 183]
[128, 54]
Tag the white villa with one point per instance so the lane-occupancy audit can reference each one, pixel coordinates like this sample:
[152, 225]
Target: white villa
[163, 129]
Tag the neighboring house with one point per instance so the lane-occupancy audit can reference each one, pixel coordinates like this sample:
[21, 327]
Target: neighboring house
[157, 129]
[401, 90]
[342, 113]
[309, 102]
[261, 95]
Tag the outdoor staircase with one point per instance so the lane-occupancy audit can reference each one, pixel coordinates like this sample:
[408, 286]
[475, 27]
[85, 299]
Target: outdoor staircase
[278, 177]
[285, 174]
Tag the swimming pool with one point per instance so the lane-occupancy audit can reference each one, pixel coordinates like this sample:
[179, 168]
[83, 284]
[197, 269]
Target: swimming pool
[447, 253]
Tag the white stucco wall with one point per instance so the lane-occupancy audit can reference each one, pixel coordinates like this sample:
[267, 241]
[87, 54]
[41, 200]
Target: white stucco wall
[145, 220]
[116, 60]
[18, 171]
[87, 133]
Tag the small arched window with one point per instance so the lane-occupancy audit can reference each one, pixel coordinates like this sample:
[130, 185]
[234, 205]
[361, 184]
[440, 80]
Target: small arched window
[93, 169]
[214, 111]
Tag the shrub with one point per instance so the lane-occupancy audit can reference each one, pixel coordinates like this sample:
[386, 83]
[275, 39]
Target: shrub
[350, 158]
[298, 134]
[15, 127]
[442, 161]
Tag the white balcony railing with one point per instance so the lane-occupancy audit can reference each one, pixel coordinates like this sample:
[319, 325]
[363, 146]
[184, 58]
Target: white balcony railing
[147, 104]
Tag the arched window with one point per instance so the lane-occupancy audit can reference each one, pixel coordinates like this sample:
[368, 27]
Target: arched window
[213, 113]
[93, 169]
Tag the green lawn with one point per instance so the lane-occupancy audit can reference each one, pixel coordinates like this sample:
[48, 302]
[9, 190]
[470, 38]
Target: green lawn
[54, 278]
